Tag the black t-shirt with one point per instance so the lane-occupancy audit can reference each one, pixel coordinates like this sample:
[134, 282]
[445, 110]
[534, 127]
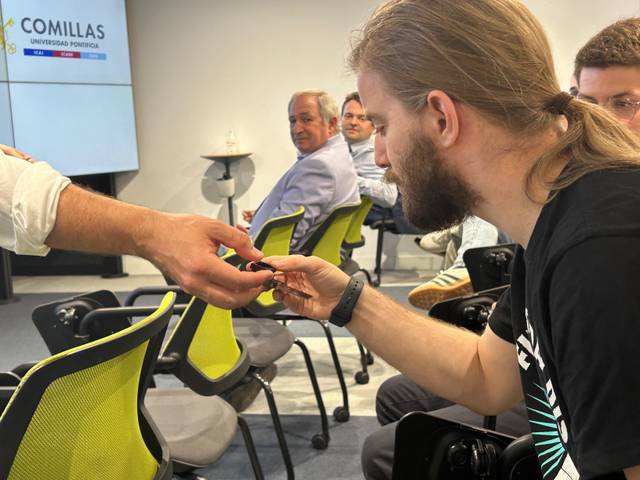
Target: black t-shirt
[574, 316]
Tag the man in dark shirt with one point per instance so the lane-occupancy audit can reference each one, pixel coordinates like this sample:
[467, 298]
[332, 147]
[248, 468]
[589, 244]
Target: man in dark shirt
[465, 99]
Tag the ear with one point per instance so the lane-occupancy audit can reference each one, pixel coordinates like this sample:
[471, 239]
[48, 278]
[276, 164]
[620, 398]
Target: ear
[333, 128]
[441, 119]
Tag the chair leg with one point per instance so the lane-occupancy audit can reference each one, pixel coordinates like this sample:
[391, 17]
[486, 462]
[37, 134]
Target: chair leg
[275, 417]
[362, 376]
[251, 448]
[378, 269]
[341, 413]
[320, 441]
[368, 275]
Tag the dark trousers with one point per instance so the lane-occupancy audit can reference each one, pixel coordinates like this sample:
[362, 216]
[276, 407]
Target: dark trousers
[398, 396]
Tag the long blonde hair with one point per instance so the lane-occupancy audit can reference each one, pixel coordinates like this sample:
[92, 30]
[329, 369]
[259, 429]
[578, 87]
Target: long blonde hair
[494, 56]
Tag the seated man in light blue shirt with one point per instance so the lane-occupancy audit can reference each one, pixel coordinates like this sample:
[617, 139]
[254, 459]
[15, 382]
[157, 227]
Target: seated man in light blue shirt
[322, 178]
[357, 130]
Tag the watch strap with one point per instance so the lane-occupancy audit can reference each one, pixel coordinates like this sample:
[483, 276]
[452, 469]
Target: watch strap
[341, 313]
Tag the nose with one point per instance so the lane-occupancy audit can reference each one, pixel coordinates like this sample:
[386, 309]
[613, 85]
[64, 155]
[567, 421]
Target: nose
[297, 127]
[380, 152]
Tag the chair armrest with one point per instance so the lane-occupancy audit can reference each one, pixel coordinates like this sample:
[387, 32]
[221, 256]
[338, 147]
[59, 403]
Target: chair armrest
[22, 369]
[147, 291]
[385, 224]
[5, 395]
[9, 379]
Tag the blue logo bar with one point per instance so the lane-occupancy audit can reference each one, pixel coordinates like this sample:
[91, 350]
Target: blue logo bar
[38, 52]
[93, 55]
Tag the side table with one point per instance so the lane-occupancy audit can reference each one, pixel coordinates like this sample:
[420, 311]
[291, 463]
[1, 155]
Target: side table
[227, 159]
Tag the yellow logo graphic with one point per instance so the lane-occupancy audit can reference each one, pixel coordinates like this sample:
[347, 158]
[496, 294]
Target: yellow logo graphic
[4, 44]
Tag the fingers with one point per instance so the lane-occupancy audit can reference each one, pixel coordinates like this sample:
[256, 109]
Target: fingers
[14, 152]
[224, 298]
[296, 304]
[222, 284]
[234, 238]
[294, 263]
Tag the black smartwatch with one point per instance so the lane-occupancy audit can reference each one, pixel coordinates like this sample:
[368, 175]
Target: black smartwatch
[341, 314]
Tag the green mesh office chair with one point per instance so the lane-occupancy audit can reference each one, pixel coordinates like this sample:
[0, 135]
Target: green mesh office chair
[274, 238]
[79, 415]
[326, 242]
[353, 237]
[197, 428]
[204, 350]
[352, 240]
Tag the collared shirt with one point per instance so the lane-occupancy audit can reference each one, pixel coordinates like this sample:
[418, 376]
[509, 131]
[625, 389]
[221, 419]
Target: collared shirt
[318, 181]
[370, 180]
[29, 194]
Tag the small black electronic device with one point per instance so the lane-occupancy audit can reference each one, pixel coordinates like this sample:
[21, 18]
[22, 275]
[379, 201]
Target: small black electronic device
[257, 266]
[276, 284]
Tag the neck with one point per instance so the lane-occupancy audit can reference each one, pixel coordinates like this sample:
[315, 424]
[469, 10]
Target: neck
[508, 201]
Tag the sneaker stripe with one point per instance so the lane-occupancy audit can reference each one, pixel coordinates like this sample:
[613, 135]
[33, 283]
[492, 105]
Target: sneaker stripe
[451, 278]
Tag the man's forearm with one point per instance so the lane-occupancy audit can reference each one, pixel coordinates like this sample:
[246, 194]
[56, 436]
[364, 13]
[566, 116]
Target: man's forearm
[448, 361]
[92, 222]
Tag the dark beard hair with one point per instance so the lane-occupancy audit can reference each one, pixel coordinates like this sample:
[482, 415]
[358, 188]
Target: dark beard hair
[433, 197]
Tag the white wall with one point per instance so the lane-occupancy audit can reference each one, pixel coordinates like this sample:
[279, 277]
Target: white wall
[570, 23]
[203, 67]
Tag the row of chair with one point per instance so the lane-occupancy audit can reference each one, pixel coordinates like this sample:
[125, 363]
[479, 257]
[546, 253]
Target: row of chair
[428, 447]
[94, 348]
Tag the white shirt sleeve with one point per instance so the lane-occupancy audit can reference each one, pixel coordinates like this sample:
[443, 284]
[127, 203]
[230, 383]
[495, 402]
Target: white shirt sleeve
[29, 195]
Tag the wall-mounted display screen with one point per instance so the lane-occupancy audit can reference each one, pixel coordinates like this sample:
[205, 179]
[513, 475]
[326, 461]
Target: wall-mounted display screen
[65, 84]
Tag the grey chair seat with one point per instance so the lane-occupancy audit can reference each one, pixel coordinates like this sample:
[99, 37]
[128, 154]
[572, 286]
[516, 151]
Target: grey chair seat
[198, 429]
[266, 340]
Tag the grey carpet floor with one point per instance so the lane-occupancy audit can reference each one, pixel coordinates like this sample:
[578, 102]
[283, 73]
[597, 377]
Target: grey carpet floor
[20, 342]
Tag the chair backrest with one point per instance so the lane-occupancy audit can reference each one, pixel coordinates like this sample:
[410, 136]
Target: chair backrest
[79, 414]
[326, 241]
[209, 358]
[490, 267]
[424, 446]
[274, 238]
[354, 238]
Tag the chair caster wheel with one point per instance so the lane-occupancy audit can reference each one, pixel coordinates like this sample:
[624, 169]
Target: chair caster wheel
[376, 283]
[319, 441]
[369, 358]
[362, 378]
[341, 414]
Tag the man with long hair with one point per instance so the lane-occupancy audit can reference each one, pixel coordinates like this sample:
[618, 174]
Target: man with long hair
[473, 121]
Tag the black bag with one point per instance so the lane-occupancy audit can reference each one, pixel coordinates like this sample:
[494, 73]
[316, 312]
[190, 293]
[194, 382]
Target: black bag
[431, 448]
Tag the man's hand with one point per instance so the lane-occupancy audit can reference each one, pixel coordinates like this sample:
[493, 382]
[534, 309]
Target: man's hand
[323, 281]
[185, 248]
[247, 215]
[242, 228]
[14, 152]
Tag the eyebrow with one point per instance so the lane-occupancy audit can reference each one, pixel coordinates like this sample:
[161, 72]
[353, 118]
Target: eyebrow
[625, 94]
[617, 95]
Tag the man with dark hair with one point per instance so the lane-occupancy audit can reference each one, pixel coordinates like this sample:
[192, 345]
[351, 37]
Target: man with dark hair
[358, 131]
[473, 121]
[607, 70]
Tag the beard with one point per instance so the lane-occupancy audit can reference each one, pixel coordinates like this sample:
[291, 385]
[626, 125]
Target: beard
[433, 197]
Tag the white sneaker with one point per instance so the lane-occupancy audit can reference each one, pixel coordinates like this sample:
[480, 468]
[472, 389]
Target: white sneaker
[436, 242]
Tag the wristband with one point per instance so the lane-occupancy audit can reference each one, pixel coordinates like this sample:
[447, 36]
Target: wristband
[341, 313]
